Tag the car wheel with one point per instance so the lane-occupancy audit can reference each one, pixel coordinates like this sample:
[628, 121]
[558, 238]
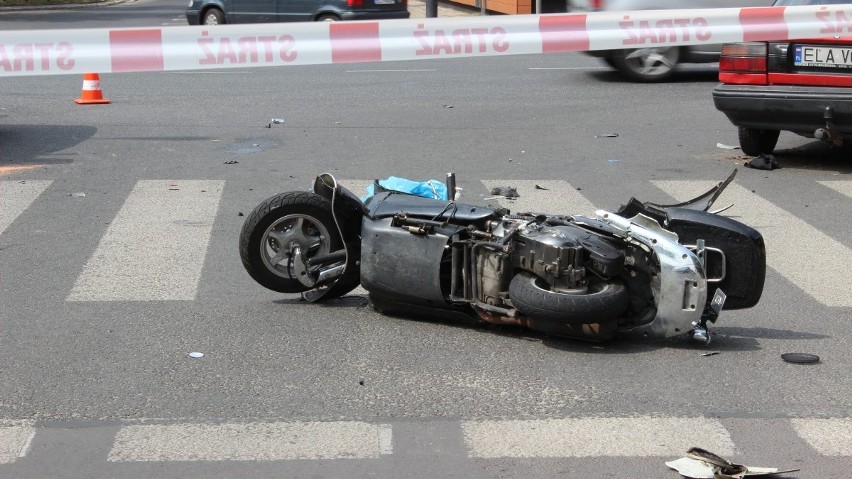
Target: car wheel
[328, 17]
[651, 64]
[755, 142]
[214, 16]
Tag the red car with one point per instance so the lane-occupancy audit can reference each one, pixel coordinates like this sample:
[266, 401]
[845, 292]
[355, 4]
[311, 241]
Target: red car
[803, 86]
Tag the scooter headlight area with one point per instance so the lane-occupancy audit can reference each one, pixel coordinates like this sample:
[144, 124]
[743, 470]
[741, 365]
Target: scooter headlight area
[647, 271]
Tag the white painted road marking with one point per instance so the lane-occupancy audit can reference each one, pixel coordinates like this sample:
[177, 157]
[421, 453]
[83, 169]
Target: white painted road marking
[595, 437]
[560, 198]
[17, 196]
[15, 440]
[831, 437]
[790, 242]
[844, 187]
[250, 441]
[155, 247]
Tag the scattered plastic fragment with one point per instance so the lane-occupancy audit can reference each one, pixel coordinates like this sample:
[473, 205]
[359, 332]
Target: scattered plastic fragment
[702, 464]
[607, 135]
[196, 355]
[800, 358]
[77, 195]
[231, 162]
[277, 121]
[612, 162]
[505, 191]
[712, 353]
[727, 147]
[763, 162]
[539, 187]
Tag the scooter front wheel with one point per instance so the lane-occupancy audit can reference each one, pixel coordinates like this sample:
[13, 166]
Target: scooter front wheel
[532, 297]
[276, 229]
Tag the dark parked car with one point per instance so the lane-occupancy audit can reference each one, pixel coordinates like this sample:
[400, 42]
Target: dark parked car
[803, 86]
[215, 12]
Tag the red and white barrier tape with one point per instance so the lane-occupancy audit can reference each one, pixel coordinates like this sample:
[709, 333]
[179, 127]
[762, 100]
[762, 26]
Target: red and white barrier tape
[58, 52]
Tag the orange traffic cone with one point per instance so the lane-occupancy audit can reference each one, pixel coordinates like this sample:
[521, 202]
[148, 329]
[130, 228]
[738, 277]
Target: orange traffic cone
[91, 93]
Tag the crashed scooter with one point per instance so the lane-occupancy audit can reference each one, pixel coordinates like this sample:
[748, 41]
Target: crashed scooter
[645, 271]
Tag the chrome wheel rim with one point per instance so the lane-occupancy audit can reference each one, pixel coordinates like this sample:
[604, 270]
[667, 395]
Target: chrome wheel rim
[279, 241]
[652, 62]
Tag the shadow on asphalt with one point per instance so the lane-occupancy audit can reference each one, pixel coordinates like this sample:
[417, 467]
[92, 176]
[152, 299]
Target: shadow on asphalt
[22, 145]
[816, 155]
[702, 74]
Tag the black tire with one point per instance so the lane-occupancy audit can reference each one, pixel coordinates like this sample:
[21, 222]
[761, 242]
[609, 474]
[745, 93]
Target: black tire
[755, 142]
[328, 17]
[603, 300]
[646, 65]
[301, 218]
[214, 16]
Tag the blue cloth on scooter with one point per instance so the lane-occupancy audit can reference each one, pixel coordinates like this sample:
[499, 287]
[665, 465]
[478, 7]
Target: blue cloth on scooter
[427, 189]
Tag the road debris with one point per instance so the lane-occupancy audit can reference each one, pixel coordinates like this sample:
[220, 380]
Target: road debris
[505, 191]
[727, 147]
[539, 187]
[231, 162]
[763, 162]
[607, 135]
[77, 195]
[712, 353]
[196, 355]
[800, 358]
[174, 187]
[240, 213]
[702, 464]
[447, 106]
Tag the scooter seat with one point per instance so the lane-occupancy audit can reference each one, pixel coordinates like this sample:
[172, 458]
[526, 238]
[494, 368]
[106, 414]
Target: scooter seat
[392, 203]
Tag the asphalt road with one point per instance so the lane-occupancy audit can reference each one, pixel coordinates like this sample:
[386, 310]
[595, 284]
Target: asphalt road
[90, 361]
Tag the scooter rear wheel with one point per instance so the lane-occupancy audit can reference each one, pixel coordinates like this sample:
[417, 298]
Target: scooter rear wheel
[532, 297]
[278, 225]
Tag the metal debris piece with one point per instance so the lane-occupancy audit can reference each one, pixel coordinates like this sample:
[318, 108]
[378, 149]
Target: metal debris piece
[196, 355]
[763, 162]
[702, 464]
[800, 358]
[505, 191]
[727, 147]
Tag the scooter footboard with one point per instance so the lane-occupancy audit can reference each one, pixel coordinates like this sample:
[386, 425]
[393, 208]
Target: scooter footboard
[744, 268]
[403, 266]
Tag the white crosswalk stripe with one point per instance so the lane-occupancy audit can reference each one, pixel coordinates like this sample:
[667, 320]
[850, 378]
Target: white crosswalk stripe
[155, 247]
[819, 275]
[592, 437]
[16, 197]
[844, 187]
[830, 437]
[558, 197]
[15, 439]
[266, 441]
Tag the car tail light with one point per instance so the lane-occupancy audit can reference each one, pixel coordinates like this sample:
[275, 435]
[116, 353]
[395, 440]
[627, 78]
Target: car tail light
[743, 58]
[596, 4]
[355, 3]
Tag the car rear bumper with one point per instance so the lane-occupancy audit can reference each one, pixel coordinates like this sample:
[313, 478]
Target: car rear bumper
[375, 15]
[790, 108]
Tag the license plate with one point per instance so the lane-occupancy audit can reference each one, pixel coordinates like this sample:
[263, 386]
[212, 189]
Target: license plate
[822, 57]
[384, 2]
[718, 301]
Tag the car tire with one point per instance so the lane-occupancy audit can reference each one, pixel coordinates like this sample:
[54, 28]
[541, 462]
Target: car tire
[646, 65]
[328, 17]
[755, 142]
[214, 16]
